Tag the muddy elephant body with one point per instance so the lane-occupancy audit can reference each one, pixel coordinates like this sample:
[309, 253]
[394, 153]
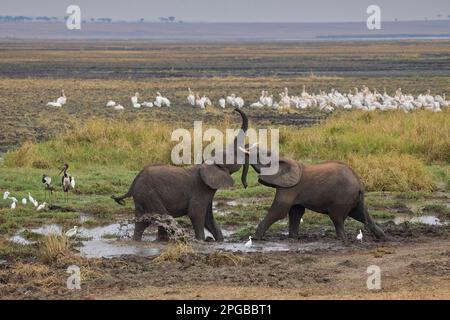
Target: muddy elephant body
[177, 191]
[331, 188]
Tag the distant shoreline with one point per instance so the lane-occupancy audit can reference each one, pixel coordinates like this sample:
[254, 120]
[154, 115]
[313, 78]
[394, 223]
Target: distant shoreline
[225, 32]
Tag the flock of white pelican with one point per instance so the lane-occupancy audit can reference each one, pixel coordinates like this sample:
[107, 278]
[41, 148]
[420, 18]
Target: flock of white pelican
[359, 99]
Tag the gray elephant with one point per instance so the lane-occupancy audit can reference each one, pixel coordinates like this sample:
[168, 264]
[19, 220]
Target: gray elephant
[178, 191]
[330, 187]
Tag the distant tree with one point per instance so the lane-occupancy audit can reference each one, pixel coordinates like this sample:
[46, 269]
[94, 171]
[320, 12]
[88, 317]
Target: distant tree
[43, 18]
[171, 18]
[141, 20]
[104, 20]
[163, 19]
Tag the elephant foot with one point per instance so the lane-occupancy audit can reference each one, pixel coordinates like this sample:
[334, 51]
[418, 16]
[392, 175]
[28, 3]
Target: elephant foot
[293, 236]
[163, 236]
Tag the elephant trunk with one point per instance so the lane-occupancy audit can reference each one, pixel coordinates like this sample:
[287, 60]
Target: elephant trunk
[244, 128]
[245, 172]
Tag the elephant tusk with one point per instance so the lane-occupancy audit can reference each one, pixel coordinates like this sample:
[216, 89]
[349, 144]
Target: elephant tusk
[244, 151]
[247, 151]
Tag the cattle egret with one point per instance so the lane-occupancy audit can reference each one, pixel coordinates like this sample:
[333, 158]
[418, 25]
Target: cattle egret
[6, 195]
[24, 201]
[72, 232]
[13, 205]
[359, 236]
[249, 242]
[41, 206]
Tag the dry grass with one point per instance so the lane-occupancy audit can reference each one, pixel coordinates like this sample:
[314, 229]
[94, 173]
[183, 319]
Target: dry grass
[221, 258]
[389, 150]
[53, 246]
[176, 251]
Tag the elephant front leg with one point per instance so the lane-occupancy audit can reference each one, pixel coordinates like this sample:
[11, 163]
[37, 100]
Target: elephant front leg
[277, 211]
[295, 216]
[211, 225]
[197, 215]
[139, 228]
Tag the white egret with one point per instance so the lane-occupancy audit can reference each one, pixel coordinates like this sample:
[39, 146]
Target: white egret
[72, 232]
[359, 236]
[41, 206]
[249, 242]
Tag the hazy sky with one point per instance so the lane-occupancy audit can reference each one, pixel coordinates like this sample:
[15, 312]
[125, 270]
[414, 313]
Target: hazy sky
[233, 10]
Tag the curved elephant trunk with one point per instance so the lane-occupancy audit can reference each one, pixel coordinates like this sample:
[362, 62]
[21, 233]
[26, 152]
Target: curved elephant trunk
[244, 128]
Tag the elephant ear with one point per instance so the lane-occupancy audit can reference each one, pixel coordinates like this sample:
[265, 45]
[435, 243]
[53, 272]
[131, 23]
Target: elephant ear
[288, 175]
[216, 177]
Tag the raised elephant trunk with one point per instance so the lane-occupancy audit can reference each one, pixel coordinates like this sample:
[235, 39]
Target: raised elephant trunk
[244, 128]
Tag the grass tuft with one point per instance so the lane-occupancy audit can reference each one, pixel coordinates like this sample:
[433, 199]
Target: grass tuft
[53, 246]
[176, 251]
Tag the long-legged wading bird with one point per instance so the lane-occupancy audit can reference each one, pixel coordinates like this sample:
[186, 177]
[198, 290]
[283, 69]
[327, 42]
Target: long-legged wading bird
[66, 181]
[47, 181]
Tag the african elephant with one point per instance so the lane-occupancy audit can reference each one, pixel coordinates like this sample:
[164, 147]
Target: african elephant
[178, 191]
[330, 187]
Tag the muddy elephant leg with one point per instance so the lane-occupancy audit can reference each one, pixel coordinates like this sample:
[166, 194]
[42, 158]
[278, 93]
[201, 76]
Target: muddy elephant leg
[211, 225]
[277, 211]
[162, 234]
[361, 214]
[139, 226]
[152, 204]
[197, 213]
[338, 218]
[295, 215]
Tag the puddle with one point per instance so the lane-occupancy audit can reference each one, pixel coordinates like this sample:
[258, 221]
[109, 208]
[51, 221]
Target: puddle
[114, 240]
[20, 240]
[111, 248]
[425, 219]
[278, 246]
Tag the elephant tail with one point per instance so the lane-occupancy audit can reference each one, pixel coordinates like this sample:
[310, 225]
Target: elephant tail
[120, 199]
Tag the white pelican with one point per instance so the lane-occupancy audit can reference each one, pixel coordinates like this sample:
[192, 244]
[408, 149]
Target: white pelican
[191, 97]
[134, 101]
[58, 102]
[147, 104]
[110, 103]
[222, 103]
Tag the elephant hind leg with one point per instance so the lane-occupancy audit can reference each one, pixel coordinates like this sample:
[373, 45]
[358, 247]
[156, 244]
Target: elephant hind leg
[152, 204]
[295, 215]
[139, 226]
[361, 214]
